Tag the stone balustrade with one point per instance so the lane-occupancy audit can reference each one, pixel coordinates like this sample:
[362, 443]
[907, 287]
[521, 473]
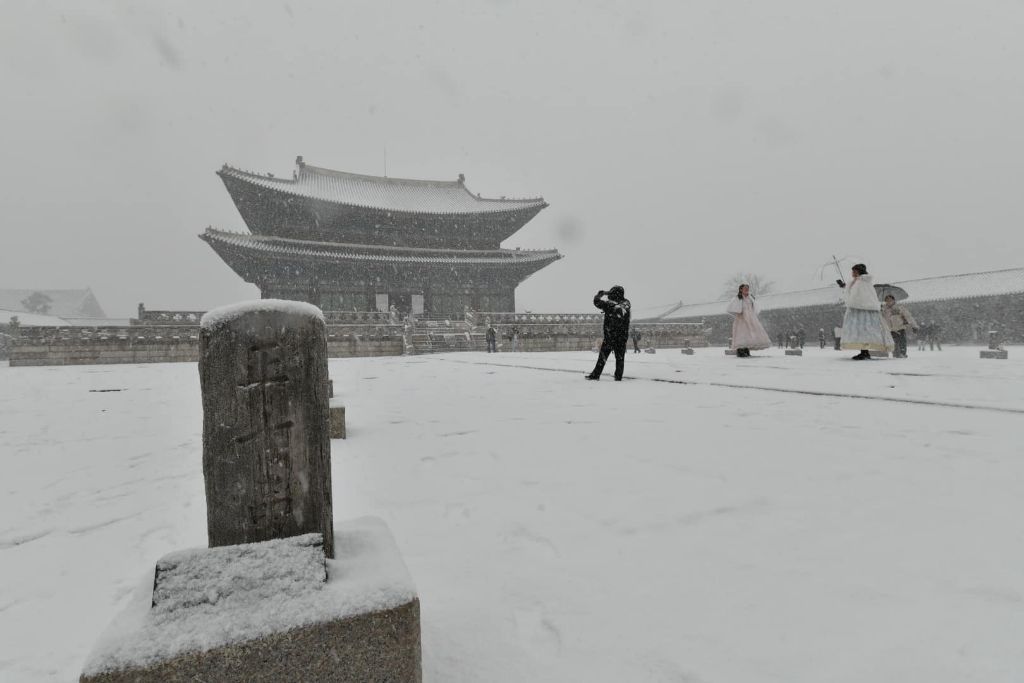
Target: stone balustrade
[349, 334]
[169, 344]
[147, 317]
[167, 317]
[500, 318]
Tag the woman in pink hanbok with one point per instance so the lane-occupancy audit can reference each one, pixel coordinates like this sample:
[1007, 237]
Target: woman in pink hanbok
[747, 331]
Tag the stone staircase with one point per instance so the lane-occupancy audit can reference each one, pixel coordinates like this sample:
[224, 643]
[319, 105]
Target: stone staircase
[442, 336]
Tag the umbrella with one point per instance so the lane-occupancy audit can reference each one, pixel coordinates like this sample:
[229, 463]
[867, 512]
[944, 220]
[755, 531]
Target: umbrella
[886, 290]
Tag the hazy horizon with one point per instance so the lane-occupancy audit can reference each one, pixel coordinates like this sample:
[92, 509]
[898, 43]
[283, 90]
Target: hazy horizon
[676, 143]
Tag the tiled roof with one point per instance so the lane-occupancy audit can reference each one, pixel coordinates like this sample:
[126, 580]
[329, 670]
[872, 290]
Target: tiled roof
[332, 251]
[389, 194]
[947, 287]
[74, 303]
[33, 319]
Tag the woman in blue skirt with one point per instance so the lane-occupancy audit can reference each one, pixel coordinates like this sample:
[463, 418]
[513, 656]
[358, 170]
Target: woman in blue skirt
[864, 329]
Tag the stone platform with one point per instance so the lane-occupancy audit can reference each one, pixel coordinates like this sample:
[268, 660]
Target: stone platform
[264, 612]
[794, 352]
[1000, 354]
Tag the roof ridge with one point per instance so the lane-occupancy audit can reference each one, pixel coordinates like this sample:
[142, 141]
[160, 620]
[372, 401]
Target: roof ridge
[320, 171]
[386, 179]
[980, 272]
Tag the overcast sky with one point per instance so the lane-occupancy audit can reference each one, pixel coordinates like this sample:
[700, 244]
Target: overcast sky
[676, 142]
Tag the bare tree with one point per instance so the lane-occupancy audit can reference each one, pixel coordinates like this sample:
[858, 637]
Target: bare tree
[37, 302]
[759, 284]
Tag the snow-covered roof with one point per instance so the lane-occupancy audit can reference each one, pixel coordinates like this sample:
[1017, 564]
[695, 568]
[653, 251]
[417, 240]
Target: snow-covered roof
[376, 192]
[33, 319]
[65, 303]
[946, 287]
[333, 251]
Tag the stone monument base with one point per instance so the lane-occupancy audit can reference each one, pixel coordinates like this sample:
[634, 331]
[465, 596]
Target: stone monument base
[377, 646]
[337, 419]
[730, 352]
[650, 349]
[263, 612]
[794, 352]
[687, 351]
[1000, 354]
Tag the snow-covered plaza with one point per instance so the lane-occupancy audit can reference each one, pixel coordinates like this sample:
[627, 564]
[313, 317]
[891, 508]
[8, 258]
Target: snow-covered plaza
[711, 519]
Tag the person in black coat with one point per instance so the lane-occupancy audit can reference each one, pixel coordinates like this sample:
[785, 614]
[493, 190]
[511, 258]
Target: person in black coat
[616, 330]
[492, 339]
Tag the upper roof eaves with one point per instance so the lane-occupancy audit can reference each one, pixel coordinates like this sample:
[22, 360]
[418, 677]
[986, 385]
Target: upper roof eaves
[381, 193]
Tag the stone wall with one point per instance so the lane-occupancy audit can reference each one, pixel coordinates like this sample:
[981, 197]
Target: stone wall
[170, 344]
[962, 321]
[583, 335]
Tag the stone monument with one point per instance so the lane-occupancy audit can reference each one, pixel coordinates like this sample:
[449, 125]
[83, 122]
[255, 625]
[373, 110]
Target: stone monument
[266, 446]
[995, 347]
[267, 601]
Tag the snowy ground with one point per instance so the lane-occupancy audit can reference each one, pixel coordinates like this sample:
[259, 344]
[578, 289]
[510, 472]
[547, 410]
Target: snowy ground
[688, 530]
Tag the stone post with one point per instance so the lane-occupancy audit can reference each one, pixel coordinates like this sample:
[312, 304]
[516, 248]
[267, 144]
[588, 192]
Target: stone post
[266, 446]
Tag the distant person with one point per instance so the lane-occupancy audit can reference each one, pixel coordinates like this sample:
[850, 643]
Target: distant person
[821, 337]
[747, 331]
[801, 337]
[863, 327]
[782, 340]
[899, 320]
[837, 336]
[492, 339]
[616, 330]
[636, 334]
[922, 337]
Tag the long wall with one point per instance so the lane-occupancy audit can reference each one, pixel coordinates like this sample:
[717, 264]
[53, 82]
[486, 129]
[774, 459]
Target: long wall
[374, 335]
[961, 321]
[170, 344]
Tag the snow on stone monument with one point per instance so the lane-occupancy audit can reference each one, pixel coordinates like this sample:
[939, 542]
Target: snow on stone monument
[267, 601]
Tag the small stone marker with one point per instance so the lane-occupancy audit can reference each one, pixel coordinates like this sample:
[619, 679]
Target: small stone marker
[266, 447]
[650, 349]
[686, 351]
[337, 419]
[794, 352]
[995, 347]
[730, 352]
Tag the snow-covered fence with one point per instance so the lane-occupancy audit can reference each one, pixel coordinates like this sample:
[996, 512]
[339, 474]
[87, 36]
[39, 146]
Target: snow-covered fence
[167, 317]
[169, 344]
[147, 317]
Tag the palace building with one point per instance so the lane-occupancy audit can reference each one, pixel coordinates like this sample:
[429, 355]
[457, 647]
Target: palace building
[345, 241]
